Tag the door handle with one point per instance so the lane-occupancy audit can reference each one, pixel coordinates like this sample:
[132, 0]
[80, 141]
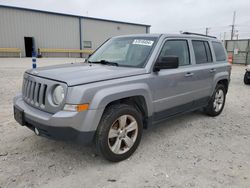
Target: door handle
[189, 74]
[212, 70]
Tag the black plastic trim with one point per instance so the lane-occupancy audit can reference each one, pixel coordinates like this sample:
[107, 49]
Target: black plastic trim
[60, 133]
[179, 110]
[198, 34]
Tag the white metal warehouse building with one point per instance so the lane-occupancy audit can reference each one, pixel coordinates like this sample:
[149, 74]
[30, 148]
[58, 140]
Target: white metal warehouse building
[28, 29]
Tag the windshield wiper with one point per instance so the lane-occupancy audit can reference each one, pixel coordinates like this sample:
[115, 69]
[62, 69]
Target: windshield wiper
[104, 62]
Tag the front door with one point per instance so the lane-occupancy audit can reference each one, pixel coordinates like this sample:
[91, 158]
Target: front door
[173, 88]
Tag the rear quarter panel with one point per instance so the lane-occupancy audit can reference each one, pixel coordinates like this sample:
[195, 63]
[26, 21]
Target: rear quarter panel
[223, 71]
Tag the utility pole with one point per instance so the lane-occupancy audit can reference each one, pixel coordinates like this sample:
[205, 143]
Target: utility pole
[233, 26]
[224, 38]
[207, 29]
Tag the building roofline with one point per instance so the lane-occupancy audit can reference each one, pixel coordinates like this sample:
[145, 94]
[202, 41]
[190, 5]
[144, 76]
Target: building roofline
[71, 15]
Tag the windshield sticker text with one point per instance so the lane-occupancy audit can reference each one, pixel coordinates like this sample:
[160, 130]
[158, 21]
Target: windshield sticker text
[143, 42]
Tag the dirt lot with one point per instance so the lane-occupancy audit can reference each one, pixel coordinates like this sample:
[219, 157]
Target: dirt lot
[193, 150]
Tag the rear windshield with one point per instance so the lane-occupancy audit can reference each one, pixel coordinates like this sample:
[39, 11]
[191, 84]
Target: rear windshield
[219, 51]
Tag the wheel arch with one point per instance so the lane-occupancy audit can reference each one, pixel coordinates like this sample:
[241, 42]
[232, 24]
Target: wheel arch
[224, 82]
[137, 102]
[137, 95]
[221, 78]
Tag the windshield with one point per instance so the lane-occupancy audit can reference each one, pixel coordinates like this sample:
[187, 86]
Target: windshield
[125, 51]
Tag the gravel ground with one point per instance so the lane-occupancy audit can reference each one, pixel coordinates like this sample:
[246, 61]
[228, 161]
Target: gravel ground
[193, 150]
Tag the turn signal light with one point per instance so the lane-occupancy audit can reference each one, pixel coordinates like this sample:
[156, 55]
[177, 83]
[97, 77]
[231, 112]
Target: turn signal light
[76, 107]
[82, 107]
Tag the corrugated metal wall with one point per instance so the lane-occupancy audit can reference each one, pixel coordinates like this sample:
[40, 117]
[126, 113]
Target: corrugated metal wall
[49, 31]
[240, 50]
[52, 30]
[98, 31]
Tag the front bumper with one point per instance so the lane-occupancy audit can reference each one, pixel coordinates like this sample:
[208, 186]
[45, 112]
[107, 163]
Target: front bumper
[63, 125]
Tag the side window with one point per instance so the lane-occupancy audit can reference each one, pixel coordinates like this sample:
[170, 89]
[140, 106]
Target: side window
[202, 52]
[177, 48]
[219, 51]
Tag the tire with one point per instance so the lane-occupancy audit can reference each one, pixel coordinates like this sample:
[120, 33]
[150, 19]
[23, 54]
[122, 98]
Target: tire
[217, 101]
[119, 132]
[246, 80]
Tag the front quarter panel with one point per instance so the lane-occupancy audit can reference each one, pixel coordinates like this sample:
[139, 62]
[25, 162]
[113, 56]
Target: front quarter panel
[100, 94]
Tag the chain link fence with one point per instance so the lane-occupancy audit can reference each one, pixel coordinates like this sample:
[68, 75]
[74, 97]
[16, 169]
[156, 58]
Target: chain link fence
[239, 49]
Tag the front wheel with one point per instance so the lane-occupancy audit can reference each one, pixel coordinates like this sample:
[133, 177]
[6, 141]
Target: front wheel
[217, 101]
[119, 132]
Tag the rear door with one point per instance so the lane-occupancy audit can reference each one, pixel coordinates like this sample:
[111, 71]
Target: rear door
[204, 70]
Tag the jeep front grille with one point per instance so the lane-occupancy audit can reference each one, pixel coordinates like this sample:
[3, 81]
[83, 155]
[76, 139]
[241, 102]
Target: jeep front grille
[37, 91]
[34, 92]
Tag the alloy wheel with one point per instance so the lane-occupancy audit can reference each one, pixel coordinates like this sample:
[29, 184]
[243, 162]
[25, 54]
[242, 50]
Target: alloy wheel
[218, 100]
[122, 134]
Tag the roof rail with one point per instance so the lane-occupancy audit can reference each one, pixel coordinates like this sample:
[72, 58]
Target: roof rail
[189, 33]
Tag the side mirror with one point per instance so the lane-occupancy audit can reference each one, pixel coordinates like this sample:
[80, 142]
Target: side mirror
[169, 62]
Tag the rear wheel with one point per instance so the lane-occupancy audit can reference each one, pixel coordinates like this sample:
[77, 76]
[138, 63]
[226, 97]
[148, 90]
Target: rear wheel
[217, 101]
[119, 132]
[246, 78]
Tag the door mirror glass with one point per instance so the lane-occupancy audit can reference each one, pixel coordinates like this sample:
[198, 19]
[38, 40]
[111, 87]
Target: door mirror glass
[168, 62]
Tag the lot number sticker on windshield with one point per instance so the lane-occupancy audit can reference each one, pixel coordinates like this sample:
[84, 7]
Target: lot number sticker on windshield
[143, 42]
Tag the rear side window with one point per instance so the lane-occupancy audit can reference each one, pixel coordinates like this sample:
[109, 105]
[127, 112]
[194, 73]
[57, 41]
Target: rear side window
[219, 51]
[177, 48]
[202, 52]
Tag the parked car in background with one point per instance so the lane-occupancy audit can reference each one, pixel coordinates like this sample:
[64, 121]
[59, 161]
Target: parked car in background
[129, 83]
[247, 75]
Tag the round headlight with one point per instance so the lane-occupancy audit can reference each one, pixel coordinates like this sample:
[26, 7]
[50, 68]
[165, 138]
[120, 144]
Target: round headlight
[58, 95]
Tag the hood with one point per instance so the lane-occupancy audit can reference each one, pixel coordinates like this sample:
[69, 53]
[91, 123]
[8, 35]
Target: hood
[83, 73]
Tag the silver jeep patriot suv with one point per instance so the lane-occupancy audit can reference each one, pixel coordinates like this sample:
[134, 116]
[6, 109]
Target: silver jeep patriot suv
[129, 83]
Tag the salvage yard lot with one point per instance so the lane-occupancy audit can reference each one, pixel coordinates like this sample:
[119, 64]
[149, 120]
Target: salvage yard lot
[192, 150]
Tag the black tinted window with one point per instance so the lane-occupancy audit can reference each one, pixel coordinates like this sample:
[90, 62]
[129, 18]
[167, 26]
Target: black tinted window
[219, 51]
[177, 48]
[202, 52]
